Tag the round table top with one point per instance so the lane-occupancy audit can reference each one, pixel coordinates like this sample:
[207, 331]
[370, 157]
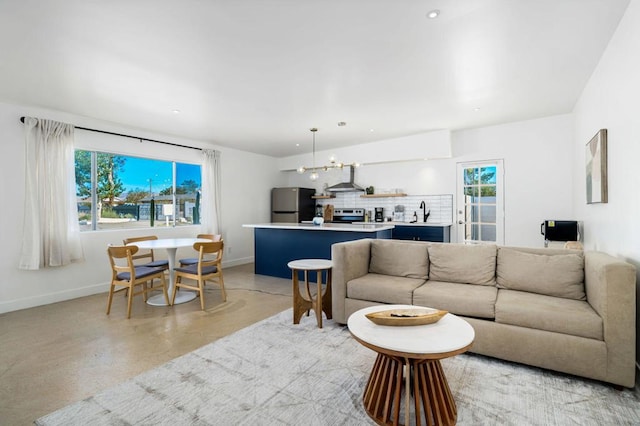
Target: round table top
[168, 243]
[447, 337]
[310, 264]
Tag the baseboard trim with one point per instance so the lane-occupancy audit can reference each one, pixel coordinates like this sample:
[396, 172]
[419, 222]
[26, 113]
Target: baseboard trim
[46, 299]
[237, 262]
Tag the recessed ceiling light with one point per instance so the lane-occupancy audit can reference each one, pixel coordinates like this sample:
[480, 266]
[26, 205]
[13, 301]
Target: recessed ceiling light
[371, 130]
[297, 144]
[433, 14]
[476, 109]
[342, 123]
[176, 111]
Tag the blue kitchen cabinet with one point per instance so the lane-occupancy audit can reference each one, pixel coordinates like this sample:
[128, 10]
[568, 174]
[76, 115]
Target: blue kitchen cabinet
[438, 234]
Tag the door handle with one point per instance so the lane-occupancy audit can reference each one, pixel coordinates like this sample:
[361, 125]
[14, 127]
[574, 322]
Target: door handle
[460, 222]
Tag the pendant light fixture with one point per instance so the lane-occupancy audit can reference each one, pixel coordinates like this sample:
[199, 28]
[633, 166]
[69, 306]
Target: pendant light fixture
[334, 164]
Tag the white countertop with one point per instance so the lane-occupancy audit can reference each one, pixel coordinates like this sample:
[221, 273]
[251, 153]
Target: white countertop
[418, 224]
[357, 227]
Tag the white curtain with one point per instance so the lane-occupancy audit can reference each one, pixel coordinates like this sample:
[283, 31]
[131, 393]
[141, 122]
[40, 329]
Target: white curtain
[51, 235]
[211, 188]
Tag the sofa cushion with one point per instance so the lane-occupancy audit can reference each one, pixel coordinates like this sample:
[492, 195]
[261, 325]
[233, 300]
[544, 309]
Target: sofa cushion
[460, 299]
[399, 258]
[383, 288]
[559, 275]
[567, 316]
[463, 263]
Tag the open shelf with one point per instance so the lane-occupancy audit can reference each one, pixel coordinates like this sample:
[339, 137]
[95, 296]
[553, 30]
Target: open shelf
[322, 197]
[382, 195]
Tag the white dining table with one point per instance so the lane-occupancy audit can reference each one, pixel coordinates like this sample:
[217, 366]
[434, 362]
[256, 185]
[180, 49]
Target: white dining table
[171, 245]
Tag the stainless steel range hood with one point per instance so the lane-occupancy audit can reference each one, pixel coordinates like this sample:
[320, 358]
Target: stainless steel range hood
[346, 186]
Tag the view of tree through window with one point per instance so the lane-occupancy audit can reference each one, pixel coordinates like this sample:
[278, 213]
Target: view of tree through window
[135, 192]
[480, 190]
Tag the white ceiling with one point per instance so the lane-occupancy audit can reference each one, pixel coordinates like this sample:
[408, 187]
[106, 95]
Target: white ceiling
[257, 74]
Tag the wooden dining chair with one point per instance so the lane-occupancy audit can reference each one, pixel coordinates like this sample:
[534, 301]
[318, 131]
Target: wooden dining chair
[193, 260]
[145, 254]
[126, 275]
[208, 267]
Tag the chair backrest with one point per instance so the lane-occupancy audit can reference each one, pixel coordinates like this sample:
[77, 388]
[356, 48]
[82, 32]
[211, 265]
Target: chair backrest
[122, 252]
[213, 248]
[144, 252]
[212, 237]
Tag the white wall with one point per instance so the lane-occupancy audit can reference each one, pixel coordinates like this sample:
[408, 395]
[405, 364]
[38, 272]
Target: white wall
[537, 154]
[537, 158]
[434, 144]
[610, 101]
[246, 182]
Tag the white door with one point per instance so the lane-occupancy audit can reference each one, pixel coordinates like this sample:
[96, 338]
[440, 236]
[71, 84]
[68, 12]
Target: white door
[480, 202]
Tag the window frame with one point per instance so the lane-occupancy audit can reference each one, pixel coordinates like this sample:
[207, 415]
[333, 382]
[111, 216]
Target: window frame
[94, 185]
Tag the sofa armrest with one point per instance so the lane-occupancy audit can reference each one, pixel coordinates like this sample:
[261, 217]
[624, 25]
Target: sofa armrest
[350, 260]
[610, 285]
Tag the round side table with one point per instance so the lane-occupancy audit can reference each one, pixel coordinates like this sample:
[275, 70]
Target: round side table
[322, 301]
[411, 355]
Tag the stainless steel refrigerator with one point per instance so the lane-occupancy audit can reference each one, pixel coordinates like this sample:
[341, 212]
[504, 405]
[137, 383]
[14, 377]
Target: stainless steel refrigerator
[292, 205]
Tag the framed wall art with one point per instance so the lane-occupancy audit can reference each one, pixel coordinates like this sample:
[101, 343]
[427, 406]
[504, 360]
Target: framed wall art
[596, 159]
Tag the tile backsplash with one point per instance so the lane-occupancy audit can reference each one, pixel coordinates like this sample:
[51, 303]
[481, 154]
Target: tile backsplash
[440, 206]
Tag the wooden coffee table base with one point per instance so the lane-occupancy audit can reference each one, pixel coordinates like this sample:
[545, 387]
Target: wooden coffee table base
[433, 402]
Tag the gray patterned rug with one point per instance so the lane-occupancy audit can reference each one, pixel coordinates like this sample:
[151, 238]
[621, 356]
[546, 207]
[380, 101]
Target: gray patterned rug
[275, 373]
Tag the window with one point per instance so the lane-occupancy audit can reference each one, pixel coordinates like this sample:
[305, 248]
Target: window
[132, 192]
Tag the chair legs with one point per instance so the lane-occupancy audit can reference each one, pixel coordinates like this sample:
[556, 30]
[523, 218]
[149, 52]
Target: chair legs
[147, 286]
[110, 298]
[175, 288]
[199, 288]
[130, 301]
[201, 291]
[224, 293]
[220, 282]
[164, 291]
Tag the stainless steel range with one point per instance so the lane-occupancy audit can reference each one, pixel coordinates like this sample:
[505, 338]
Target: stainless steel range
[348, 215]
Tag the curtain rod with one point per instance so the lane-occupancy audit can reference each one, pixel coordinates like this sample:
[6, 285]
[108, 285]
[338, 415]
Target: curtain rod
[129, 136]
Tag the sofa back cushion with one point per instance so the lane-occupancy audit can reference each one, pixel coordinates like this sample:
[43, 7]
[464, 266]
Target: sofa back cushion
[559, 275]
[463, 263]
[399, 258]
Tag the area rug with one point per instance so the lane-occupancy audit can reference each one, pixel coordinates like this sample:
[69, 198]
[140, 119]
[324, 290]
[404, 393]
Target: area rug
[277, 373]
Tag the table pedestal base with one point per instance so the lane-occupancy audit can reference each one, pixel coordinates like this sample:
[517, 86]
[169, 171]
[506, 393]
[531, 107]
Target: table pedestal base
[433, 402]
[181, 297]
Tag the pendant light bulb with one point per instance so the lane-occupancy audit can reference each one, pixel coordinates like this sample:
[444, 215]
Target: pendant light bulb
[313, 176]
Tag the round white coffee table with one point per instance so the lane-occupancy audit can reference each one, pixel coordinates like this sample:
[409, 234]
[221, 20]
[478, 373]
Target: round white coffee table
[414, 351]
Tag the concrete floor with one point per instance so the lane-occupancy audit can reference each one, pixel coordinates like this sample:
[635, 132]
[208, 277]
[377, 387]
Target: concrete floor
[54, 355]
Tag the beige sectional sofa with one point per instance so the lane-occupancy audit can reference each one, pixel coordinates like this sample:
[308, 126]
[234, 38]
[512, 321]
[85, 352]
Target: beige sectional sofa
[564, 310]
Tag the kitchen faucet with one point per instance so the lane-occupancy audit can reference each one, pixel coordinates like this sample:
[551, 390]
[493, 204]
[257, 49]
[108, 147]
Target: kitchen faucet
[425, 214]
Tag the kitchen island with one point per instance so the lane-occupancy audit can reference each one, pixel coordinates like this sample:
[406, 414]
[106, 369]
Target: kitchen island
[277, 244]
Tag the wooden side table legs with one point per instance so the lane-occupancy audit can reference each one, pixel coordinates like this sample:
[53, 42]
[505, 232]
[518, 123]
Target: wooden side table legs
[432, 398]
[320, 303]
